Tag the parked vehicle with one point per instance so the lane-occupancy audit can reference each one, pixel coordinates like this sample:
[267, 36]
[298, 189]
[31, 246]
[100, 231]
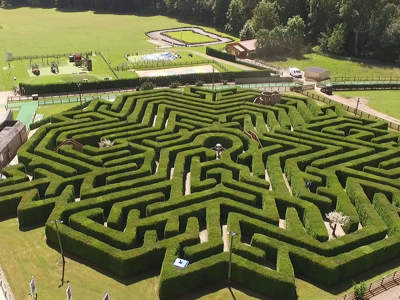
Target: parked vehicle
[296, 73]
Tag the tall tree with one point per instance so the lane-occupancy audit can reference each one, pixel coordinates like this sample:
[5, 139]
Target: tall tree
[295, 34]
[357, 18]
[234, 16]
[265, 15]
[323, 16]
[220, 8]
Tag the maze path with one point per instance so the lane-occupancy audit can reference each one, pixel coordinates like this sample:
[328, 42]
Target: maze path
[160, 193]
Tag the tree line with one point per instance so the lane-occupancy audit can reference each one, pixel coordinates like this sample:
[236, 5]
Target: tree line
[358, 28]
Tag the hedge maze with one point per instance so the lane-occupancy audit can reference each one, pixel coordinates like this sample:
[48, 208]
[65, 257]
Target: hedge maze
[160, 193]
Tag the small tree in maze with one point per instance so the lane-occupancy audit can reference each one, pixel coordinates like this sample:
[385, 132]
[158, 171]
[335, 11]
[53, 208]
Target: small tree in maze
[105, 143]
[336, 218]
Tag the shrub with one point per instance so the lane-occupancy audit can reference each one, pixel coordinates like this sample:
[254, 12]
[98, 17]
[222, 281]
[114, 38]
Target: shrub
[200, 83]
[148, 85]
[359, 290]
[174, 84]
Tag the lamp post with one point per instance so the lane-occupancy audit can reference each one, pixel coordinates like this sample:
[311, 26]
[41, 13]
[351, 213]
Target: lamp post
[232, 234]
[358, 102]
[61, 249]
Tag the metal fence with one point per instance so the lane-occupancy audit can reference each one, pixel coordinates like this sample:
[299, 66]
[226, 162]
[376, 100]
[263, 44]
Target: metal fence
[344, 78]
[377, 287]
[357, 112]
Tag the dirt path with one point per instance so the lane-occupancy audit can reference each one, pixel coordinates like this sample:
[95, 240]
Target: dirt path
[363, 106]
[222, 61]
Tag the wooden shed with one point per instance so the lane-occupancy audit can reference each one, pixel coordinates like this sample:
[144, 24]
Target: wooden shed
[242, 49]
[316, 73]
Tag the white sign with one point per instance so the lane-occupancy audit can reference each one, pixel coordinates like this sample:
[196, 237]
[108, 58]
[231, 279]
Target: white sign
[68, 292]
[107, 296]
[32, 285]
[181, 263]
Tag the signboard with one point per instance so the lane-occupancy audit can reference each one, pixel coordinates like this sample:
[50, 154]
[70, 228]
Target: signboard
[181, 263]
[9, 56]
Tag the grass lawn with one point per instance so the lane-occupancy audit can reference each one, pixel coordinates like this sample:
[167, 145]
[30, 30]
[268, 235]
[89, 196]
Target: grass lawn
[190, 37]
[341, 67]
[52, 109]
[24, 254]
[15, 112]
[37, 31]
[387, 102]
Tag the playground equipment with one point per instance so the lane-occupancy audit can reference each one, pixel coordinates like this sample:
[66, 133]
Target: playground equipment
[80, 61]
[54, 68]
[35, 69]
[268, 98]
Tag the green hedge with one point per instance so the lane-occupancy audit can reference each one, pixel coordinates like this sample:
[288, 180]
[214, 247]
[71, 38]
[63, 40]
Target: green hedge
[70, 87]
[220, 54]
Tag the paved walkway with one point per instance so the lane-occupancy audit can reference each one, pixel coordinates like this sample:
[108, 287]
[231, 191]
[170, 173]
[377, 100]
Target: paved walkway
[391, 294]
[3, 101]
[352, 102]
[159, 35]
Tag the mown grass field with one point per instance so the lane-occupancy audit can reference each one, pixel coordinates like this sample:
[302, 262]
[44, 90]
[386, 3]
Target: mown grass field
[190, 37]
[24, 254]
[36, 31]
[338, 67]
[387, 102]
[52, 109]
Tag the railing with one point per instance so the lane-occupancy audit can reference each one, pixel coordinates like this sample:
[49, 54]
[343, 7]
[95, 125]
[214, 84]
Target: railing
[377, 287]
[357, 112]
[345, 78]
[47, 55]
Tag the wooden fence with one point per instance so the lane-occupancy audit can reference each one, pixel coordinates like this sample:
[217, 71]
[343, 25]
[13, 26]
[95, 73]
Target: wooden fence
[357, 112]
[377, 287]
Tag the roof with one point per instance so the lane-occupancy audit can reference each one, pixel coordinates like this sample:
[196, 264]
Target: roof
[316, 69]
[249, 45]
[239, 48]
[8, 130]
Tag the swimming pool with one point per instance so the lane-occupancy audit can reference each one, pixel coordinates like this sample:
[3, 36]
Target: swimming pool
[162, 56]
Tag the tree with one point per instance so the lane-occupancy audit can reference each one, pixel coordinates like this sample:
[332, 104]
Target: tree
[234, 16]
[105, 143]
[357, 18]
[265, 16]
[324, 15]
[220, 7]
[295, 34]
[247, 31]
[336, 218]
[336, 40]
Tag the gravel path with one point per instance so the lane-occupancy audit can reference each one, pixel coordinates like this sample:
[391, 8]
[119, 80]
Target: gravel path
[159, 35]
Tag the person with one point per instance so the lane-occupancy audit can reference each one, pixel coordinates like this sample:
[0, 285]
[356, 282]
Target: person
[308, 184]
[218, 150]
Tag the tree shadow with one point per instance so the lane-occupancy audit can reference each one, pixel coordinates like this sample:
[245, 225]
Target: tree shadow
[346, 284]
[233, 295]
[123, 280]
